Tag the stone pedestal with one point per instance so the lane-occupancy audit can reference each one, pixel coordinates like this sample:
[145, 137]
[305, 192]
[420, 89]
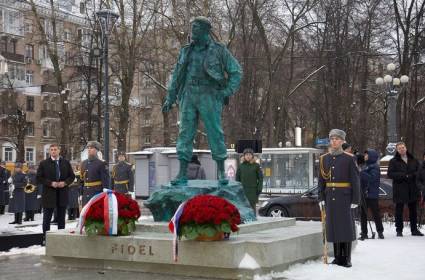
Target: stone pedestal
[260, 247]
[164, 202]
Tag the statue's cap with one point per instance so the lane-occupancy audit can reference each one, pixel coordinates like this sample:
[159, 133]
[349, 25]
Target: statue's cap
[204, 20]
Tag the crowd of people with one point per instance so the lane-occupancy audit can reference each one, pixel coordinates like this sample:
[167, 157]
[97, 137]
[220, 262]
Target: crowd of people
[56, 186]
[348, 180]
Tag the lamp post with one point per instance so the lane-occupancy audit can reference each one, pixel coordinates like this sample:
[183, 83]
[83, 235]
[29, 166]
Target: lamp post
[107, 19]
[391, 85]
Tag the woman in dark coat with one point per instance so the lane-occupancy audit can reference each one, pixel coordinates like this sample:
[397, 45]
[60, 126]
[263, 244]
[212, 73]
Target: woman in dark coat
[250, 175]
[17, 181]
[402, 169]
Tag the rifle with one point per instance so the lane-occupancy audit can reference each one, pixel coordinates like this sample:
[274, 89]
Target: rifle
[325, 242]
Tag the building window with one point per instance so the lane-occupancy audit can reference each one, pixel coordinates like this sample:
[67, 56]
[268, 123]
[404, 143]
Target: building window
[29, 51]
[46, 130]
[29, 154]
[30, 103]
[30, 129]
[29, 77]
[147, 140]
[28, 26]
[82, 8]
[114, 155]
[8, 153]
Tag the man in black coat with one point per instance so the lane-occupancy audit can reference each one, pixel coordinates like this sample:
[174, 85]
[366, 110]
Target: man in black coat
[4, 175]
[339, 192]
[402, 169]
[55, 174]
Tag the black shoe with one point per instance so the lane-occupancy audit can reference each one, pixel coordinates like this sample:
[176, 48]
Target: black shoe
[417, 233]
[347, 264]
[380, 235]
[363, 237]
[12, 223]
[335, 261]
[26, 219]
[399, 234]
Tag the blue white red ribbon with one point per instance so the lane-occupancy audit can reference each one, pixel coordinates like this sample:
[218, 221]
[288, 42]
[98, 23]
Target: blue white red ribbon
[110, 214]
[173, 226]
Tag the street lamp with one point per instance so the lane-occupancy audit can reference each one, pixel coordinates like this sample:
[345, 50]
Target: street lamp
[391, 85]
[107, 19]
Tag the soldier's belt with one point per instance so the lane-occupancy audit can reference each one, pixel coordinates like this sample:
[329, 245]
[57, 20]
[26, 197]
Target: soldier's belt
[121, 182]
[337, 185]
[93, 184]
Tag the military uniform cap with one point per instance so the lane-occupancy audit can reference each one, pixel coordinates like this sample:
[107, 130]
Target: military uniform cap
[337, 133]
[94, 144]
[203, 20]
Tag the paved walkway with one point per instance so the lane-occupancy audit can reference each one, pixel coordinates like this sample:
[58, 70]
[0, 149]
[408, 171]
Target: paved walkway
[30, 267]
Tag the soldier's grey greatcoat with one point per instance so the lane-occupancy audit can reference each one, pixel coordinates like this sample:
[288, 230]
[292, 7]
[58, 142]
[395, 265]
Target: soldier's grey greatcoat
[75, 190]
[31, 201]
[339, 187]
[123, 177]
[95, 177]
[4, 189]
[17, 203]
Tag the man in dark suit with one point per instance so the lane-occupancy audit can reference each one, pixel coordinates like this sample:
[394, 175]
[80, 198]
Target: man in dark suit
[55, 174]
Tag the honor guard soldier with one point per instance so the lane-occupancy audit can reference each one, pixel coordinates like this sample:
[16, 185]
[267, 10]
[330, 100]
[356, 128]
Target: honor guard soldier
[17, 183]
[31, 193]
[74, 194]
[4, 175]
[339, 190]
[94, 173]
[123, 176]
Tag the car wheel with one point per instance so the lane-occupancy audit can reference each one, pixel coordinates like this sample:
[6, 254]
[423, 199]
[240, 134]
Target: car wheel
[277, 211]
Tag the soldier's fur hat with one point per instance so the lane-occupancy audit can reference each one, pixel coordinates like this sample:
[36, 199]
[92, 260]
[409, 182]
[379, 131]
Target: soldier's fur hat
[94, 144]
[337, 133]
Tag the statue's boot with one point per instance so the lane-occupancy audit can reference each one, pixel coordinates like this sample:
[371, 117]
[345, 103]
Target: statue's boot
[181, 178]
[221, 174]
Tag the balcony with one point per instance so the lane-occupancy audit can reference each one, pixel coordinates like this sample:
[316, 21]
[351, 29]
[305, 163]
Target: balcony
[13, 57]
[49, 114]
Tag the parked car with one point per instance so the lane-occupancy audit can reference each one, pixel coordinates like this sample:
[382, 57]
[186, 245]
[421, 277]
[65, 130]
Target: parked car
[305, 206]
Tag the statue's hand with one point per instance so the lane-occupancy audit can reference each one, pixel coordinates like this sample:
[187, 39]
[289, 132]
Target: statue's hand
[166, 107]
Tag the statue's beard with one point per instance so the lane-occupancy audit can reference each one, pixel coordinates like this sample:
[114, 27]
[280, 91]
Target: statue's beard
[200, 38]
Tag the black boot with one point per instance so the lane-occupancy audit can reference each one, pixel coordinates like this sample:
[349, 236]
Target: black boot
[346, 259]
[27, 216]
[221, 174]
[2, 209]
[337, 253]
[20, 218]
[32, 215]
[15, 221]
[181, 179]
[363, 236]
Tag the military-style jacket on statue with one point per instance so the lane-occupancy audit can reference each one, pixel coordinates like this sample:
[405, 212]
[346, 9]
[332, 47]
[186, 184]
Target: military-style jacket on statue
[123, 177]
[339, 187]
[219, 64]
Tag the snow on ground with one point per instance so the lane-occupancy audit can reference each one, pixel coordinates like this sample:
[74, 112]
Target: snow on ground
[33, 250]
[393, 258]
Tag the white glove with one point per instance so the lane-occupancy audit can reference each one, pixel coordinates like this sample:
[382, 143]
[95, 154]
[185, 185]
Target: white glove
[10, 180]
[353, 206]
[321, 205]
[132, 194]
[38, 196]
